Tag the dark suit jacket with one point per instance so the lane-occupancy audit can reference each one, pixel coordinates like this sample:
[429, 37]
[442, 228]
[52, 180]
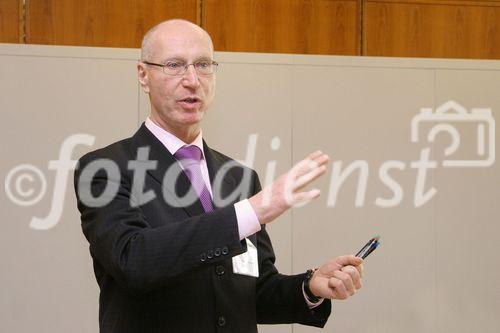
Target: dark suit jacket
[162, 268]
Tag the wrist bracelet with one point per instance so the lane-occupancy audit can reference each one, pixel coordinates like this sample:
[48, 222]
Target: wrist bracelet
[310, 296]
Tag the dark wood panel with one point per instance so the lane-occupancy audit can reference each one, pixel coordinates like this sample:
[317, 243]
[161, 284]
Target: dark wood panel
[284, 26]
[441, 29]
[9, 21]
[443, 2]
[114, 23]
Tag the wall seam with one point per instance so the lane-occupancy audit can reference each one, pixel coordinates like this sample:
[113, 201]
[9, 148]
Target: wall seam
[434, 217]
[22, 21]
[361, 27]
[200, 15]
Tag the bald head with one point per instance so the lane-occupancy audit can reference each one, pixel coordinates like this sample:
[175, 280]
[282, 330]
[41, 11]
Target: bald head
[178, 101]
[169, 29]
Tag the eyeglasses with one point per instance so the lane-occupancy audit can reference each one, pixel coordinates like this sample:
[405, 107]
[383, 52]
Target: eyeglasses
[177, 68]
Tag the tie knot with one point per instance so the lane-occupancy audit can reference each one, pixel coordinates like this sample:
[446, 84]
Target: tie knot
[188, 153]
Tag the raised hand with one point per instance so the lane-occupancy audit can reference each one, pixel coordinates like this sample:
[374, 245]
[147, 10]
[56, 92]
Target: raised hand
[287, 190]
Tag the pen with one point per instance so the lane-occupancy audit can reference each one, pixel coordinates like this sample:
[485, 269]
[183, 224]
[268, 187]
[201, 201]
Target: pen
[369, 247]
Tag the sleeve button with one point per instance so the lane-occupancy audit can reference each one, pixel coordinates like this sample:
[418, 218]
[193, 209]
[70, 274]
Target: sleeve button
[210, 254]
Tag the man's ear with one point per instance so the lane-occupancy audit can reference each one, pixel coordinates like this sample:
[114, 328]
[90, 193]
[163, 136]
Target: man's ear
[142, 76]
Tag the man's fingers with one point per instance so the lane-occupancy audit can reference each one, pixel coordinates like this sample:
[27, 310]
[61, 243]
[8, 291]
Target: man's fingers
[307, 178]
[322, 159]
[355, 275]
[285, 192]
[346, 280]
[338, 289]
[314, 155]
[308, 164]
[306, 196]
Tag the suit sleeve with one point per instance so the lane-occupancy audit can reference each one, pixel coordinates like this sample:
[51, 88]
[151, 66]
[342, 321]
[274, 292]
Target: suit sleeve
[280, 299]
[141, 258]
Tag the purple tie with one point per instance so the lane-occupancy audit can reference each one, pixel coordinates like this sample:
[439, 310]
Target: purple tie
[190, 158]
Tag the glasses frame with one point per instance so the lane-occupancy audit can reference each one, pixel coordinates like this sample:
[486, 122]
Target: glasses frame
[212, 62]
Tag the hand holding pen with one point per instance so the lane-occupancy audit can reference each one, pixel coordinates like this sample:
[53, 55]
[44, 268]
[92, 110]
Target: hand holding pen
[340, 277]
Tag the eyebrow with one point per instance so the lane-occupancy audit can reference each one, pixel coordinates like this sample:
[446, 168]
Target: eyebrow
[179, 59]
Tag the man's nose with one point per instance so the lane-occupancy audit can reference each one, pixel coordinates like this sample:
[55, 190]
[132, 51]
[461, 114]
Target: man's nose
[190, 77]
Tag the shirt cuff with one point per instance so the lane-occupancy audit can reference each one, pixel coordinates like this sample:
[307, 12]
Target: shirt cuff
[310, 304]
[248, 223]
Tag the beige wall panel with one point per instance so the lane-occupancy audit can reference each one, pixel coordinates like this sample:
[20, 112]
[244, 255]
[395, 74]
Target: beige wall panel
[467, 238]
[47, 282]
[364, 114]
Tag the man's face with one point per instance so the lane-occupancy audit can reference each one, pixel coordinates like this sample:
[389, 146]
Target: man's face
[179, 102]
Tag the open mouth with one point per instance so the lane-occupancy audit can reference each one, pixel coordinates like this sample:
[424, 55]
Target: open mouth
[190, 100]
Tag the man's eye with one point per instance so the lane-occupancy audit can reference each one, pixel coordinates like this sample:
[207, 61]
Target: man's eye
[203, 64]
[173, 65]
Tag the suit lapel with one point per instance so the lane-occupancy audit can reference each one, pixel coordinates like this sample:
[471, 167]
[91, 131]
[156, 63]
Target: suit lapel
[215, 165]
[176, 187]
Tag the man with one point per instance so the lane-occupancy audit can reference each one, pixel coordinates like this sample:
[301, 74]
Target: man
[170, 253]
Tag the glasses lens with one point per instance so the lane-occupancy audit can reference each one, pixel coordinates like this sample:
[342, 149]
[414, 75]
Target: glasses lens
[205, 67]
[174, 68]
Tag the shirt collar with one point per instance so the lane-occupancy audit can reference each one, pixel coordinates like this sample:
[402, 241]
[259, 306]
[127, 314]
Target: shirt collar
[170, 141]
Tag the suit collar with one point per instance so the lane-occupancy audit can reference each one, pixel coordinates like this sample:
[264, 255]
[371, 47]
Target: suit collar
[170, 141]
[174, 189]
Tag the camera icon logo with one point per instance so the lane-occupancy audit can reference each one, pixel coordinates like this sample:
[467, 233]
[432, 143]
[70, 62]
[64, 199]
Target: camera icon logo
[451, 113]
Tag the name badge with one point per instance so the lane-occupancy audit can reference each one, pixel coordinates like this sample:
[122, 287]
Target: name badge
[247, 263]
